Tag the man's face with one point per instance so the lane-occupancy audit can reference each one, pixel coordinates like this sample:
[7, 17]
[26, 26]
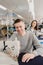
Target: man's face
[20, 27]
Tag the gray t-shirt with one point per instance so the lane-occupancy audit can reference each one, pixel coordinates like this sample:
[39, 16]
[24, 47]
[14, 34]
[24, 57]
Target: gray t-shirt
[27, 42]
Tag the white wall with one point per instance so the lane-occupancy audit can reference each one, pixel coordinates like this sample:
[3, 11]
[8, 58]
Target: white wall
[38, 4]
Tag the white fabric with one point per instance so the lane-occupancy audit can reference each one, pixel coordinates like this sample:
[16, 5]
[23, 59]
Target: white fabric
[6, 60]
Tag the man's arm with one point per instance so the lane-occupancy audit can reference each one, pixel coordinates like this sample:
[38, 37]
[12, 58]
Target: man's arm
[38, 51]
[38, 46]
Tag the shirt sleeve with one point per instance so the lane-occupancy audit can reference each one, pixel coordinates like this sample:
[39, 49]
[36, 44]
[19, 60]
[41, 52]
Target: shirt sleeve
[38, 46]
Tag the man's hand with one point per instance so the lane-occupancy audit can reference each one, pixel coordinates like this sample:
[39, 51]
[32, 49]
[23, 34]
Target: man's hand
[27, 57]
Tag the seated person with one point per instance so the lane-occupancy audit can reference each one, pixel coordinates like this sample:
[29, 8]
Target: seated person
[4, 31]
[27, 55]
[33, 28]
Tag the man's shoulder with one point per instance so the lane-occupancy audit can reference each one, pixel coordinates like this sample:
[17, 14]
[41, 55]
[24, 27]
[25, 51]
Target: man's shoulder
[15, 32]
[29, 32]
[13, 36]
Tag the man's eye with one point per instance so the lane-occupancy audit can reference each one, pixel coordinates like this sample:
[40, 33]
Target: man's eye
[16, 27]
[20, 26]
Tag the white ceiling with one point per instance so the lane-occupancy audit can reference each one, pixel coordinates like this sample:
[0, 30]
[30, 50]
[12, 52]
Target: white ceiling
[21, 7]
[38, 4]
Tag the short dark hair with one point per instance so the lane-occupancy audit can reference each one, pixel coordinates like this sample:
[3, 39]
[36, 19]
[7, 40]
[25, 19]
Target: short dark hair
[4, 28]
[17, 21]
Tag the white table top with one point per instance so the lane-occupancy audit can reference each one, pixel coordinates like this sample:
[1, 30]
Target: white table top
[6, 60]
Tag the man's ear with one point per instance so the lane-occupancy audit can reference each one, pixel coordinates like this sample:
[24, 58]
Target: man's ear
[24, 24]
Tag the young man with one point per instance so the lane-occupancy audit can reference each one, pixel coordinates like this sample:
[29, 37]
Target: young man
[28, 55]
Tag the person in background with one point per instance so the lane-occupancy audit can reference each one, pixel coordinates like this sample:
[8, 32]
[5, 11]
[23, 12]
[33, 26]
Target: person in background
[27, 55]
[33, 27]
[4, 33]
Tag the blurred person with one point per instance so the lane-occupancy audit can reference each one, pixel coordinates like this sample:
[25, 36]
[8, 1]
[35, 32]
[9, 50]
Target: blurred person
[4, 31]
[33, 28]
[27, 55]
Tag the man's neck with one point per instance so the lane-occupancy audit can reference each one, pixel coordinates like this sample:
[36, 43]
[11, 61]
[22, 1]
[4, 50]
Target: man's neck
[22, 34]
